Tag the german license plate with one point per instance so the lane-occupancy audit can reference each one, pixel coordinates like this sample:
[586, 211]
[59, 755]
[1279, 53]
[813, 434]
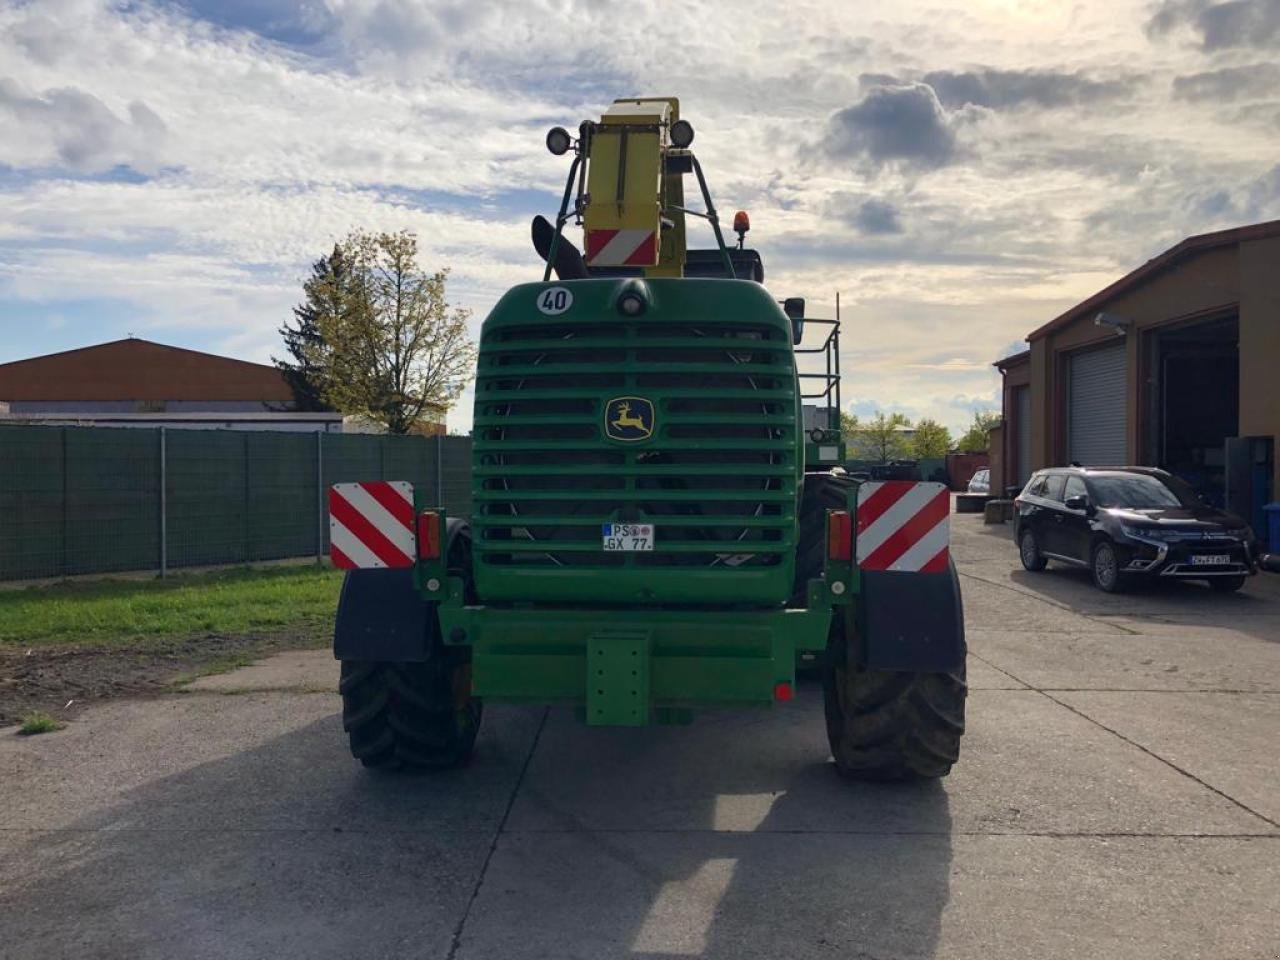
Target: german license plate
[628, 536]
[1210, 559]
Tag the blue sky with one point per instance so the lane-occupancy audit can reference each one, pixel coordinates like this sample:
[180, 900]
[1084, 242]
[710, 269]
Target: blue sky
[959, 172]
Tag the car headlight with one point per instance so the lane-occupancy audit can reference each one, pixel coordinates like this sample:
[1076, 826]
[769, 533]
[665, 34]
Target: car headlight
[1242, 533]
[1144, 533]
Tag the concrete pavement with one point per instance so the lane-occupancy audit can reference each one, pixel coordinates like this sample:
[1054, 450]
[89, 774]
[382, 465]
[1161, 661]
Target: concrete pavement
[1116, 797]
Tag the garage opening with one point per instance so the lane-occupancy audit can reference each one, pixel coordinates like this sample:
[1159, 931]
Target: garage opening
[1096, 406]
[1195, 387]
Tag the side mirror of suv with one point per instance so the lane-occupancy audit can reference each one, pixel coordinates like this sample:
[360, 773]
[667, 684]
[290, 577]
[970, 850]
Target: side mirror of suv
[1077, 502]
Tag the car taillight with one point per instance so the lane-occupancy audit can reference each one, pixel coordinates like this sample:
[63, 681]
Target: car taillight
[839, 535]
[429, 536]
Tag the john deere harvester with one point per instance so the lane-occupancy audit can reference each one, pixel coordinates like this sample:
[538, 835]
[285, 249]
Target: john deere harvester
[658, 525]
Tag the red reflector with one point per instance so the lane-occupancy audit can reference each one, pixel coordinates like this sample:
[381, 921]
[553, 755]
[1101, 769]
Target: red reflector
[839, 535]
[782, 692]
[428, 536]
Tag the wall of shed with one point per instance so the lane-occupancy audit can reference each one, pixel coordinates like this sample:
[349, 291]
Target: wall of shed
[1260, 344]
[1200, 287]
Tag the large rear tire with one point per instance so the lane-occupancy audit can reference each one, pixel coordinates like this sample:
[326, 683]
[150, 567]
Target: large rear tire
[888, 724]
[414, 714]
[407, 715]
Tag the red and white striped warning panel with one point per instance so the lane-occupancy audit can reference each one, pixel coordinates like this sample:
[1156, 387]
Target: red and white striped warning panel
[903, 526]
[622, 248]
[371, 525]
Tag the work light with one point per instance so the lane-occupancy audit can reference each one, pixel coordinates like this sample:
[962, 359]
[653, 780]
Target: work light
[681, 134]
[558, 141]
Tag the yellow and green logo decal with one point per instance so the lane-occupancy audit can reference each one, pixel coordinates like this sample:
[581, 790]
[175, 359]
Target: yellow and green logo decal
[629, 419]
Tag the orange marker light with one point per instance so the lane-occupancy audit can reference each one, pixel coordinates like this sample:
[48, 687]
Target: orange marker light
[429, 536]
[839, 535]
[741, 222]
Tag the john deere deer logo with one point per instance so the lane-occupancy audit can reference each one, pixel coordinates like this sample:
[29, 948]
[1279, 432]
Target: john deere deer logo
[628, 419]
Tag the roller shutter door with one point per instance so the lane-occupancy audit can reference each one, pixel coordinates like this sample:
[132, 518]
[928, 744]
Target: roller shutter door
[1022, 411]
[1096, 407]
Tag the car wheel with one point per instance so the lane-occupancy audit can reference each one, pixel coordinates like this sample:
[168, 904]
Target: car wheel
[1029, 551]
[1227, 584]
[1106, 568]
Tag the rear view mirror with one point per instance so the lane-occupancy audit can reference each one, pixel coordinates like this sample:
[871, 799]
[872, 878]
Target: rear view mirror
[793, 307]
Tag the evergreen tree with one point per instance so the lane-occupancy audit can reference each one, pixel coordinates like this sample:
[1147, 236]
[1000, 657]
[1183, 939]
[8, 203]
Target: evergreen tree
[324, 296]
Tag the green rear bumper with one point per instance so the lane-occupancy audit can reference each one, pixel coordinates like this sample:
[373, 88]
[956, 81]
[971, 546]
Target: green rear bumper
[630, 666]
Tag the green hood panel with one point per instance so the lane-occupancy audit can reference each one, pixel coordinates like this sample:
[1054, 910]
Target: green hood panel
[683, 416]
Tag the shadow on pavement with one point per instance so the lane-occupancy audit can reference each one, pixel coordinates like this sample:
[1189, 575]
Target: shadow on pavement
[290, 849]
[287, 850]
[731, 838]
[854, 895]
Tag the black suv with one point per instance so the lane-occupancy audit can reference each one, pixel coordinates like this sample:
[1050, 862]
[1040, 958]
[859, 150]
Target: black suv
[1122, 522]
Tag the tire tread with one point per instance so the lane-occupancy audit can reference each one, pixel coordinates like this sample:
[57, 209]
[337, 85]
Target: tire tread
[402, 715]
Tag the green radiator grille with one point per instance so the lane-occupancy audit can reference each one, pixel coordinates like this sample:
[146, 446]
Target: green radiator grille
[717, 478]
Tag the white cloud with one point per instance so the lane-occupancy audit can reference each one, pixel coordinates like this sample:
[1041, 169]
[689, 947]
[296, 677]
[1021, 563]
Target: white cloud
[192, 160]
[68, 127]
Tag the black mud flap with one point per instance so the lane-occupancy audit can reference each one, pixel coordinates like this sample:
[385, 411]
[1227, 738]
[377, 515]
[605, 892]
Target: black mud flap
[381, 616]
[912, 621]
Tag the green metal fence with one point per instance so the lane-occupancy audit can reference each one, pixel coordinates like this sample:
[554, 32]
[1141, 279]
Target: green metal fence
[79, 500]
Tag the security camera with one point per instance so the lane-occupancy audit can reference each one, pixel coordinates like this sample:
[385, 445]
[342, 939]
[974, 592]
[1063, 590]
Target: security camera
[1117, 323]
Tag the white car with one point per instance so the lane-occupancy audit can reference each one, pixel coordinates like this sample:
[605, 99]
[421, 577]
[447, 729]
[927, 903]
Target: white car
[981, 482]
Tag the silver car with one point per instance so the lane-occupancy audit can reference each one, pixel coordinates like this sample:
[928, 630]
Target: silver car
[981, 482]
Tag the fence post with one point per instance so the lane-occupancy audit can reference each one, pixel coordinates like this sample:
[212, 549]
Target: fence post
[65, 560]
[247, 500]
[320, 496]
[439, 471]
[164, 503]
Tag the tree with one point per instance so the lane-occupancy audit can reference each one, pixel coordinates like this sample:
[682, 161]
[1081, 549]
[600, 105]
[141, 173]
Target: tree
[883, 435]
[323, 293]
[393, 348]
[931, 439]
[848, 426]
[975, 439]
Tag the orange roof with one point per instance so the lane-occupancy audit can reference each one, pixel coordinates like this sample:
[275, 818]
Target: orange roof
[1189, 246]
[136, 369]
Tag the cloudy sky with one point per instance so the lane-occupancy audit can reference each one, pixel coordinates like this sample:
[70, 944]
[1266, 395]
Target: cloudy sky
[959, 172]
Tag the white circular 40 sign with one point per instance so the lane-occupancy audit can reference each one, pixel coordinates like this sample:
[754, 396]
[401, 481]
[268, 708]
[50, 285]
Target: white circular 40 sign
[555, 300]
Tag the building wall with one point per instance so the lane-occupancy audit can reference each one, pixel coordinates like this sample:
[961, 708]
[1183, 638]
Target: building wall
[147, 406]
[1202, 286]
[1016, 375]
[1260, 344]
[139, 370]
[276, 422]
[996, 453]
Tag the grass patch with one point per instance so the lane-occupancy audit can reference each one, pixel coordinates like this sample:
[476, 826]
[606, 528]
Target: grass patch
[105, 613]
[38, 721]
[218, 665]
